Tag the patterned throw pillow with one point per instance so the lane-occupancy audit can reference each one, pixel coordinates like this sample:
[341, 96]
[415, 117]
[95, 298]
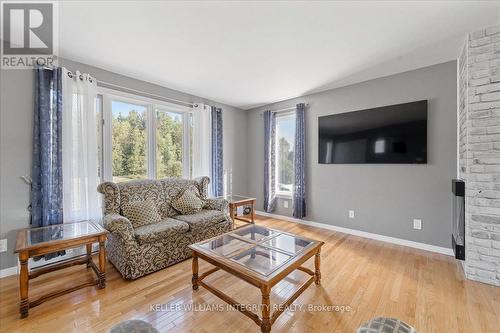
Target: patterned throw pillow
[141, 213]
[188, 203]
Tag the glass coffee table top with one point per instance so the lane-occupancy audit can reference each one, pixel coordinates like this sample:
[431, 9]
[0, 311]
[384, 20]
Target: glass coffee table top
[261, 259]
[60, 232]
[287, 243]
[257, 248]
[255, 232]
[226, 245]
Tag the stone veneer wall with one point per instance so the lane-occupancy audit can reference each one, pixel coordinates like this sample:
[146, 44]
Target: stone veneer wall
[479, 152]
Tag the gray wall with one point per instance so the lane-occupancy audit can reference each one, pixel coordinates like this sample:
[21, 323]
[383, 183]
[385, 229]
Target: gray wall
[16, 120]
[386, 197]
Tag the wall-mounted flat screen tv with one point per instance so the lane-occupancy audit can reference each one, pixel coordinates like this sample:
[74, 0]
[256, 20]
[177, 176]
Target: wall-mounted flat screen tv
[388, 134]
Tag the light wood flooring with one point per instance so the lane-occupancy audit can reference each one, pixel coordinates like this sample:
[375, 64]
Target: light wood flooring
[369, 278]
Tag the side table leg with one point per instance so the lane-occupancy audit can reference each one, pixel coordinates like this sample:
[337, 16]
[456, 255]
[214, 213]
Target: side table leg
[24, 284]
[265, 327]
[194, 279]
[252, 214]
[317, 271]
[102, 264]
[231, 214]
[89, 254]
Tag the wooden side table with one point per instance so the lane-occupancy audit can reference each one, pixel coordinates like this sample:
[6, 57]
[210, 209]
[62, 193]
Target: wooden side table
[32, 242]
[236, 201]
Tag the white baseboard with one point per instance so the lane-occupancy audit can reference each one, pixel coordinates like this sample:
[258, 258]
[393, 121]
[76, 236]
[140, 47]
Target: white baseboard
[388, 239]
[8, 271]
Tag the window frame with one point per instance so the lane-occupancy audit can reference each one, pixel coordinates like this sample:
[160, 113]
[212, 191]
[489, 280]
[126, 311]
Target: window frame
[107, 96]
[282, 194]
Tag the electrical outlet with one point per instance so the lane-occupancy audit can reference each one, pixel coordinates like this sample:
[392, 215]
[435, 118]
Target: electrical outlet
[285, 203]
[417, 224]
[351, 214]
[3, 245]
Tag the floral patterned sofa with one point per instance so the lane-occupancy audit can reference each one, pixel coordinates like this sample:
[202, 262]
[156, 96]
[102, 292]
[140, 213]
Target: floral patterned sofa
[139, 251]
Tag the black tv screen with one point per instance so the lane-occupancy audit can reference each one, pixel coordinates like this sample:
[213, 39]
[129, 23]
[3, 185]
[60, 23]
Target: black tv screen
[388, 134]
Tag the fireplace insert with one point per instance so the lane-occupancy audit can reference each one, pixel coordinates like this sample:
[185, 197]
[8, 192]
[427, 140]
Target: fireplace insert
[458, 235]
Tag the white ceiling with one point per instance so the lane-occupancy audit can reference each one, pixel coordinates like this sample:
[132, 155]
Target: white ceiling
[247, 54]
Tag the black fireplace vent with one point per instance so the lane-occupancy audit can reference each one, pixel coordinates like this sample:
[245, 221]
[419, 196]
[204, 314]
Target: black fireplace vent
[458, 235]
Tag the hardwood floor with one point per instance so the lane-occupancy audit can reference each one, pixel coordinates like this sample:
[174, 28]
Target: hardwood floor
[368, 278]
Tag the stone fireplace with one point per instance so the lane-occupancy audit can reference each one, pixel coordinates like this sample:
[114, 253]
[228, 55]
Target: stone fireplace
[479, 152]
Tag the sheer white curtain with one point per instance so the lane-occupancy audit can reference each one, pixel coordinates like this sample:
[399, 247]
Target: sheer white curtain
[79, 147]
[202, 147]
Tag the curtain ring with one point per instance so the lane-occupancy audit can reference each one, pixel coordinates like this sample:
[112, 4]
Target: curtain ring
[40, 62]
[70, 75]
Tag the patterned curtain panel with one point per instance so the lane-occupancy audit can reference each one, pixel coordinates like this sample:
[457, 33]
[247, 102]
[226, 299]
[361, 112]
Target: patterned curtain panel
[299, 164]
[217, 153]
[269, 161]
[46, 170]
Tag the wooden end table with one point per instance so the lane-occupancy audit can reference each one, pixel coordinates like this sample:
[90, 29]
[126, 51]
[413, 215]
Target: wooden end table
[33, 242]
[236, 201]
[262, 257]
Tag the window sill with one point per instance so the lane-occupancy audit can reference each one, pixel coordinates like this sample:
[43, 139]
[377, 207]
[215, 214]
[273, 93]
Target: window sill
[284, 196]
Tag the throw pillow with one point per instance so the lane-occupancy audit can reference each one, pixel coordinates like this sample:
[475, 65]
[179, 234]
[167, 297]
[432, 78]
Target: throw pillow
[141, 213]
[188, 203]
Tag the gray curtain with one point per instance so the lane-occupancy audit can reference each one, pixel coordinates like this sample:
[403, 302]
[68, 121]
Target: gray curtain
[269, 161]
[299, 164]
[46, 171]
[217, 152]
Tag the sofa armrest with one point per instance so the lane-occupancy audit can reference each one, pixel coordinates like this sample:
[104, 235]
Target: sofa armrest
[111, 194]
[202, 183]
[217, 204]
[120, 225]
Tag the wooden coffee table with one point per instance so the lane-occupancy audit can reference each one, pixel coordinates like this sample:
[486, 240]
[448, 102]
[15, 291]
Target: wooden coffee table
[32, 242]
[262, 257]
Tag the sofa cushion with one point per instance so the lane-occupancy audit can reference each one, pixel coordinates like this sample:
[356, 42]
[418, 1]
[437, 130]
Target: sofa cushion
[188, 202]
[141, 213]
[165, 229]
[205, 218]
[140, 190]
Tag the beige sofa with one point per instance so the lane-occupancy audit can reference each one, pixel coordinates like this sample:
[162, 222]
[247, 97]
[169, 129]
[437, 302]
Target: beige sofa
[146, 249]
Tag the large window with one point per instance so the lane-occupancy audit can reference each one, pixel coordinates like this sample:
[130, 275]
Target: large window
[129, 141]
[285, 142]
[169, 144]
[144, 138]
